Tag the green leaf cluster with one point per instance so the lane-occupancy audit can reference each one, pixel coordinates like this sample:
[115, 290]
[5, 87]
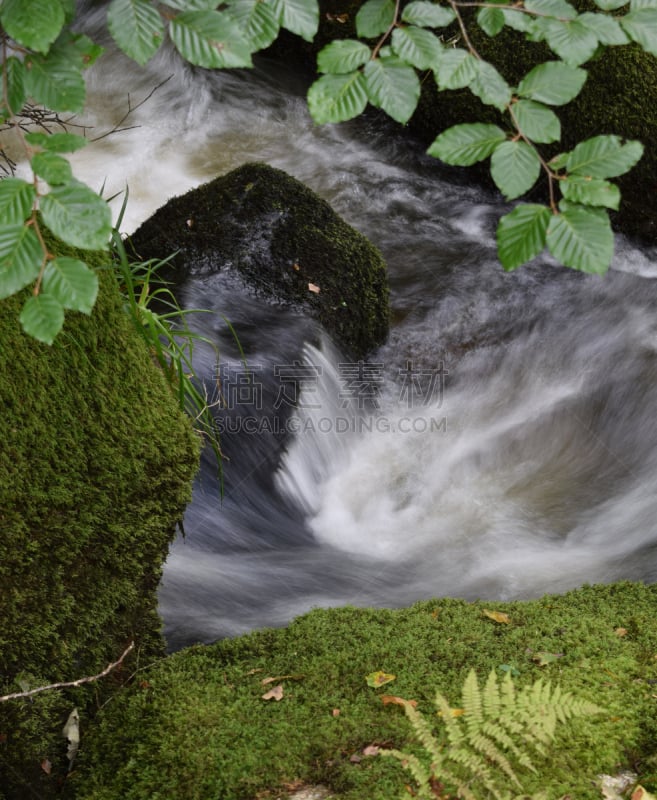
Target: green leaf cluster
[43, 63]
[205, 35]
[410, 43]
[485, 744]
[74, 213]
[395, 48]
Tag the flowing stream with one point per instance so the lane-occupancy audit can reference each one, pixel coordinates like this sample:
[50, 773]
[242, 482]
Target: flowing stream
[510, 448]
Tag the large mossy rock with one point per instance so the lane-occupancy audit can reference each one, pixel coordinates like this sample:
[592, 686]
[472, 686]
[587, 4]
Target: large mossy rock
[196, 725]
[285, 241]
[96, 463]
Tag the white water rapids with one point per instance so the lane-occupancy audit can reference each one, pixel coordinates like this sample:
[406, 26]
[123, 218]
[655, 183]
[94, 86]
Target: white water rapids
[532, 468]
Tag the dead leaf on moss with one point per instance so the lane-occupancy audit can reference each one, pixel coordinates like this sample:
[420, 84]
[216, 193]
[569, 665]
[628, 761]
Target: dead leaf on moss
[640, 794]
[46, 766]
[388, 699]
[335, 712]
[71, 731]
[371, 750]
[620, 632]
[453, 712]
[497, 616]
[376, 679]
[543, 659]
[274, 694]
[312, 287]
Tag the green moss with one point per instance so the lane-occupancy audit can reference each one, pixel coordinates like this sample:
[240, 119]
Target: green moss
[282, 237]
[196, 726]
[95, 470]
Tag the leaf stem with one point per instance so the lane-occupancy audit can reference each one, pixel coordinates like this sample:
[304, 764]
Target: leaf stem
[464, 30]
[546, 168]
[382, 40]
[508, 7]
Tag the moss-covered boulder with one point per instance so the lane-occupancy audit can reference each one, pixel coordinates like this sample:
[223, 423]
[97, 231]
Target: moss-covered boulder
[287, 243]
[96, 463]
[197, 726]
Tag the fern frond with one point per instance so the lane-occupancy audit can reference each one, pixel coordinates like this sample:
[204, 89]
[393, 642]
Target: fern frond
[425, 735]
[454, 730]
[463, 791]
[494, 730]
[476, 766]
[483, 745]
[417, 769]
[487, 748]
[472, 705]
[491, 696]
[507, 692]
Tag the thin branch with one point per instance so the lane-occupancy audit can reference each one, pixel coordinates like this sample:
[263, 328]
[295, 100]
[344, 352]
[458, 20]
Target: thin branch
[511, 7]
[117, 128]
[70, 684]
[546, 168]
[464, 31]
[382, 40]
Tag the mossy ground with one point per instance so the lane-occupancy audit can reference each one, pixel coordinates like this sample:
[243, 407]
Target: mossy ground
[96, 463]
[195, 725]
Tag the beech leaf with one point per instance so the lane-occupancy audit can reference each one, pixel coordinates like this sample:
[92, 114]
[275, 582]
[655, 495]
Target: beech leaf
[376, 679]
[497, 616]
[543, 659]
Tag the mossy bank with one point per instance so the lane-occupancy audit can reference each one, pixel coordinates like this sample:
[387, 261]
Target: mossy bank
[96, 463]
[196, 725]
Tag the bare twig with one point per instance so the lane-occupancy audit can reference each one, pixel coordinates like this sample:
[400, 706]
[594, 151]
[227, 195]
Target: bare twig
[117, 128]
[69, 684]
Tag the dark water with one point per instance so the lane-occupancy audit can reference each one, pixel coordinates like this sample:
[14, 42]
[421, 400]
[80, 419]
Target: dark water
[511, 446]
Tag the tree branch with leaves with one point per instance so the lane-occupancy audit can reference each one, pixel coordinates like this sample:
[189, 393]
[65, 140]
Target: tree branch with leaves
[43, 63]
[574, 225]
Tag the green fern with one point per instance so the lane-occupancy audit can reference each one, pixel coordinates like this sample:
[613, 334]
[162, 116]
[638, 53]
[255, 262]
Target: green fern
[497, 730]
